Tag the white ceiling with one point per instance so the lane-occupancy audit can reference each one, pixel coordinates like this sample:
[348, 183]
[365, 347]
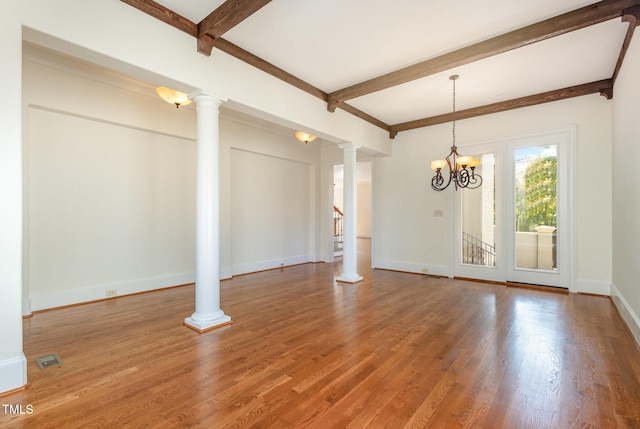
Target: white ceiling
[333, 44]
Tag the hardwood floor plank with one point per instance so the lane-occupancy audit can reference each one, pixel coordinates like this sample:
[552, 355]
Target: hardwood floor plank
[397, 350]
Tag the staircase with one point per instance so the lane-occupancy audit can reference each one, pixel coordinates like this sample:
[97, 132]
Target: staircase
[477, 252]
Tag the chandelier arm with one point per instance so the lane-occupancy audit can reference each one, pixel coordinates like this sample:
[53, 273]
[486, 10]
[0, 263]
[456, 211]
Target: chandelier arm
[475, 182]
[464, 178]
[437, 182]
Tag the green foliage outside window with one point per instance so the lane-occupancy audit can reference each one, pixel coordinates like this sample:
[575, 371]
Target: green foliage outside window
[536, 198]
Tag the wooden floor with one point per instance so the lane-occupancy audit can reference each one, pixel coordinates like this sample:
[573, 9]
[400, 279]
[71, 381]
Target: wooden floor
[396, 350]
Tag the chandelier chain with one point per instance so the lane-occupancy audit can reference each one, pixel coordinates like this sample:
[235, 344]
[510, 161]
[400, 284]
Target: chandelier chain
[454, 112]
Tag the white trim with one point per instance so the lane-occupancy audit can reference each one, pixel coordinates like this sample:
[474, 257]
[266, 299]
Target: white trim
[252, 267]
[566, 156]
[225, 273]
[41, 301]
[207, 325]
[497, 272]
[626, 311]
[412, 267]
[596, 287]
[453, 228]
[13, 373]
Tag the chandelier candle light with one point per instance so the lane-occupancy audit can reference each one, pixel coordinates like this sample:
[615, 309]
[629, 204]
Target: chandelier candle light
[462, 169]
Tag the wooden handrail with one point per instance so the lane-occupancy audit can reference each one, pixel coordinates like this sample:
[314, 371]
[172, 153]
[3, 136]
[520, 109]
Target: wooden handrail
[338, 224]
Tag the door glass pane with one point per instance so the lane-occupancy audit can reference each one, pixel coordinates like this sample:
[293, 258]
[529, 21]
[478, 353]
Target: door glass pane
[479, 217]
[536, 172]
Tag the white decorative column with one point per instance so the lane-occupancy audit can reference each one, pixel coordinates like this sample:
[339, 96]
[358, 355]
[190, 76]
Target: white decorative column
[208, 314]
[349, 254]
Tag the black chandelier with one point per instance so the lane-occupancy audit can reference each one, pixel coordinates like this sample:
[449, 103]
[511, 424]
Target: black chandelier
[462, 169]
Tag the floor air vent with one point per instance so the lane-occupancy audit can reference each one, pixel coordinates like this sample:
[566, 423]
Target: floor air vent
[48, 360]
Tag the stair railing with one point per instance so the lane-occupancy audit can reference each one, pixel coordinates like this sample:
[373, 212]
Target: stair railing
[338, 225]
[477, 252]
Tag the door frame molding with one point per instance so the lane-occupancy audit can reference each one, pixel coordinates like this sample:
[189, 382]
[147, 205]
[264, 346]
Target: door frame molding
[569, 198]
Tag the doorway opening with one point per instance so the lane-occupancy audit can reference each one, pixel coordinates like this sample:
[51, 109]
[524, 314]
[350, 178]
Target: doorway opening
[516, 226]
[363, 204]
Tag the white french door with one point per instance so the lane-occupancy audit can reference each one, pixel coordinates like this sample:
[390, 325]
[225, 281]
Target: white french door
[516, 226]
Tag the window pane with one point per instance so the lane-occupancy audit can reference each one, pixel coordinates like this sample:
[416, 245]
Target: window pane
[478, 217]
[536, 173]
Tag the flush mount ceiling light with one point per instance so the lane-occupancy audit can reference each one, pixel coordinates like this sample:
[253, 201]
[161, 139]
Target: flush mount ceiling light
[172, 96]
[304, 137]
[458, 164]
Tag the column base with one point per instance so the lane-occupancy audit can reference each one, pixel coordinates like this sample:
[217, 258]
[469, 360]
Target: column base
[208, 325]
[349, 278]
[13, 374]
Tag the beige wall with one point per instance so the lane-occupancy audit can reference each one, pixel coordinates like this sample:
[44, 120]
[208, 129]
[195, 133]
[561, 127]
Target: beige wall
[363, 224]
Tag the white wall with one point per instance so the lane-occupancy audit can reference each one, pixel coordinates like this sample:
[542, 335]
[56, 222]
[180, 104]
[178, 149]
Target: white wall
[626, 183]
[271, 189]
[111, 196]
[271, 203]
[13, 365]
[110, 208]
[406, 235]
[420, 240]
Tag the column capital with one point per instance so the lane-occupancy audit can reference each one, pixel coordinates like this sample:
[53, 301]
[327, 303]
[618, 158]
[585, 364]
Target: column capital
[349, 146]
[199, 95]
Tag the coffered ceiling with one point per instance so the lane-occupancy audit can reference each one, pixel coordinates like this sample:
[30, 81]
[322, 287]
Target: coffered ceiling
[389, 62]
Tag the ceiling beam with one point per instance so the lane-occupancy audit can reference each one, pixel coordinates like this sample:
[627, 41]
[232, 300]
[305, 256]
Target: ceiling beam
[223, 19]
[265, 66]
[632, 16]
[603, 87]
[257, 62]
[167, 16]
[561, 24]
[365, 116]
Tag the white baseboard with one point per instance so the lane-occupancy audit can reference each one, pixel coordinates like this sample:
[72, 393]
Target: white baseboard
[593, 287]
[41, 301]
[225, 273]
[253, 267]
[628, 315]
[411, 267]
[13, 373]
